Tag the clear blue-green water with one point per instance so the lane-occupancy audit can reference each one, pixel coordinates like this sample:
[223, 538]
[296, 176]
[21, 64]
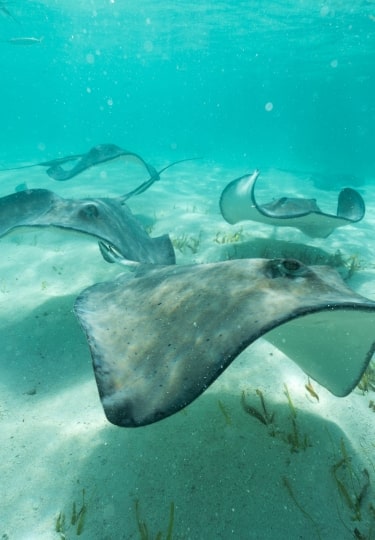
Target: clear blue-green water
[181, 78]
[285, 86]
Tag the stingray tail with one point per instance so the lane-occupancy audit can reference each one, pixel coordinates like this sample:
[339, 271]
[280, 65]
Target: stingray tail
[154, 178]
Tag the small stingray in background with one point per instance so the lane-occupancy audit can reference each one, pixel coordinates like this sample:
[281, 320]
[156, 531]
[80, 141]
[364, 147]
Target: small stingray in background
[95, 156]
[238, 203]
[160, 337]
[108, 219]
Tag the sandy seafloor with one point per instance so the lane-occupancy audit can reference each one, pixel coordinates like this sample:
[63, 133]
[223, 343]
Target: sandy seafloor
[225, 473]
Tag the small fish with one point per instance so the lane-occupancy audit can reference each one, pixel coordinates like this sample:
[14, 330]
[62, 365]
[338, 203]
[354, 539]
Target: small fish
[25, 40]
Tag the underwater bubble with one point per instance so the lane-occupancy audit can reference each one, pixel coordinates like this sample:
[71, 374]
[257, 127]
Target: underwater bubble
[90, 58]
[268, 106]
[148, 46]
[324, 11]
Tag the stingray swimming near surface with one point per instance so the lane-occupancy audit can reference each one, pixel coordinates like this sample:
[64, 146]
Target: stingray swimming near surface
[160, 337]
[238, 203]
[95, 156]
[108, 219]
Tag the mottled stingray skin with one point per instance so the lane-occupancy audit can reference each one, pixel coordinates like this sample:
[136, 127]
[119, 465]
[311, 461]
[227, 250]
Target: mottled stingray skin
[160, 337]
[238, 203]
[108, 219]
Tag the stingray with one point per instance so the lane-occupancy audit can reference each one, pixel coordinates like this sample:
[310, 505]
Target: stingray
[121, 236]
[108, 219]
[97, 155]
[161, 336]
[238, 203]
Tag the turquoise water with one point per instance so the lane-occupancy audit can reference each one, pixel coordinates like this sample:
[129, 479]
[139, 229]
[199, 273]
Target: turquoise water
[284, 86]
[182, 78]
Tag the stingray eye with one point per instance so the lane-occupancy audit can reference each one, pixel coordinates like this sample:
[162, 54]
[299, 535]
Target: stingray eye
[89, 211]
[286, 268]
[292, 268]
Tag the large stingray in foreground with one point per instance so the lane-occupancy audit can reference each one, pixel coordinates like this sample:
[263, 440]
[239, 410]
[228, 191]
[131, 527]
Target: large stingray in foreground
[108, 219]
[238, 203]
[160, 337]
